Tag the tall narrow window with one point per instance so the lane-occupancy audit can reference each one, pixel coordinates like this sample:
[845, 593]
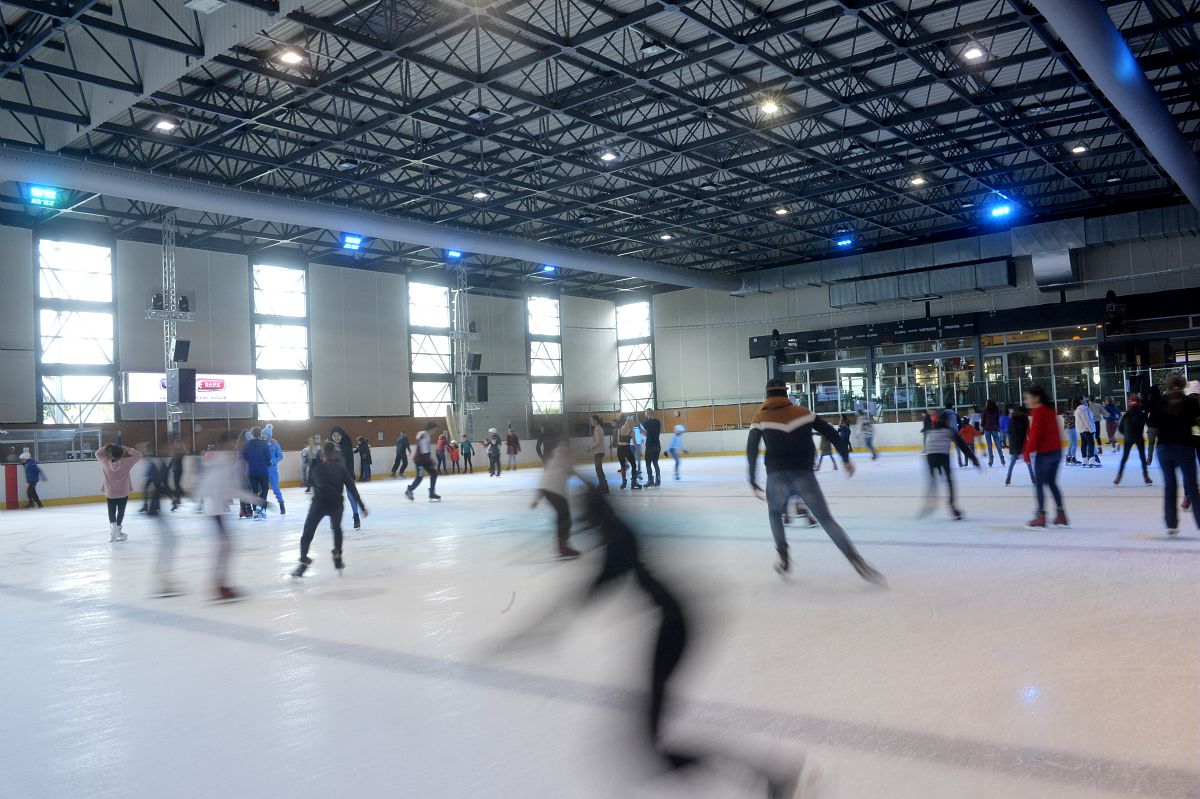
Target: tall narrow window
[545, 355]
[635, 357]
[431, 362]
[76, 366]
[280, 297]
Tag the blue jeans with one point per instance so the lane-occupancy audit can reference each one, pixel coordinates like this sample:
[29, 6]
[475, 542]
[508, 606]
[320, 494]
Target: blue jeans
[994, 436]
[1183, 458]
[1072, 441]
[1045, 471]
[781, 485]
[1013, 457]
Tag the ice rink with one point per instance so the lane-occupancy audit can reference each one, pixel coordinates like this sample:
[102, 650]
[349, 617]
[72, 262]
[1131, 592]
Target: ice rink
[1001, 662]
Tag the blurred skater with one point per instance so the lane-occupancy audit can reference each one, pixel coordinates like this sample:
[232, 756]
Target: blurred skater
[512, 446]
[653, 430]
[787, 432]
[493, 453]
[991, 431]
[330, 480]
[309, 456]
[675, 449]
[867, 428]
[467, 450]
[423, 461]
[257, 458]
[598, 449]
[1132, 426]
[364, 459]
[1174, 418]
[1018, 431]
[219, 483]
[276, 453]
[400, 465]
[556, 471]
[33, 475]
[939, 440]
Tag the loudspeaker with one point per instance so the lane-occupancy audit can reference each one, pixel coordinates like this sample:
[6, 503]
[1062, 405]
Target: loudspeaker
[182, 348]
[474, 361]
[187, 385]
[481, 390]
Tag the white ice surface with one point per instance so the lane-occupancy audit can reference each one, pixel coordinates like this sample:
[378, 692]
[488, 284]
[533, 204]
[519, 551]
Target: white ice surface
[1002, 662]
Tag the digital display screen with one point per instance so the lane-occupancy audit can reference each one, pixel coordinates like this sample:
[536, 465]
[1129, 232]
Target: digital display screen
[152, 387]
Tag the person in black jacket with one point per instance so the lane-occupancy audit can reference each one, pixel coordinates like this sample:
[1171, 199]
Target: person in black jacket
[329, 478]
[1018, 431]
[1174, 417]
[341, 440]
[400, 465]
[364, 459]
[653, 430]
[1133, 429]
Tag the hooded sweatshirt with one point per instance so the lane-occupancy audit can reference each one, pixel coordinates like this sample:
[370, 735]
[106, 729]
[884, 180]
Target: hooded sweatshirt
[116, 482]
[257, 455]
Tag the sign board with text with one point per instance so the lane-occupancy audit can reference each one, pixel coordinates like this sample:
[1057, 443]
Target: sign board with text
[152, 387]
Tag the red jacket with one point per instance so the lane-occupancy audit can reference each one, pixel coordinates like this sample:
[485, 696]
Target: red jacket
[1043, 431]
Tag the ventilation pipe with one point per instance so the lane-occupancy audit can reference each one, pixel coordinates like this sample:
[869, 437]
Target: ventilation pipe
[44, 169]
[1086, 29]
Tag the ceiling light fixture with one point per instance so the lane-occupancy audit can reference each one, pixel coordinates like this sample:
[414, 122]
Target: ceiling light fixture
[781, 211]
[454, 254]
[165, 125]
[708, 185]
[586, 219]
[290, 56]
[651, 48]
[918, 181]
[1113, 179]
[481, 194]
[966, 204]
[608, 156]
[1079, 149]
[479, 114]
[347, 165]
[666, 237]
[844, 242]
[769, 106]
[973, 52]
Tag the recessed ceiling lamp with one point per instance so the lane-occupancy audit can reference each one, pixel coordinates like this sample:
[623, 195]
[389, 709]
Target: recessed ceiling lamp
[769, 106]
[666, 237]
[781, 211]
[481, 194]
[479, 114]
[966, 205]
[347, 165]
[164, 125]
[651, 48]
[708, 185]
[917, 181]
[1079, 149]
[608, 156]
[290, 56]
[1113, 179]
[973, 52]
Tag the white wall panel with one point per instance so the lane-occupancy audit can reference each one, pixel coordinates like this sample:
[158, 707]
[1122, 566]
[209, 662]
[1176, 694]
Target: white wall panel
[18, 389]
[589, 354]
[501, 325]
[508, 403]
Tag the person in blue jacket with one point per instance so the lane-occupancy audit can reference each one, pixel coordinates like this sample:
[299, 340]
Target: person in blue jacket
[257, 456]
[276, 459]
[33, 475]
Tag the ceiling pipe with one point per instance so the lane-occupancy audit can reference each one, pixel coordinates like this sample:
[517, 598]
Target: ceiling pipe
[1089, 33]
[60, 171]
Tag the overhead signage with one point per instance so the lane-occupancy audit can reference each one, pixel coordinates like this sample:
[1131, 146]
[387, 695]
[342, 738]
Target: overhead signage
[152, 387]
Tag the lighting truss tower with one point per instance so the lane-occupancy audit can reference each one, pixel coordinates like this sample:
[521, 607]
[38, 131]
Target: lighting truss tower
[462, 337]
[170, 315]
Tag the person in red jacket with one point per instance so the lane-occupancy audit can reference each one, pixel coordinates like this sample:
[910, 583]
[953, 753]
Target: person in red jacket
[1044, 444]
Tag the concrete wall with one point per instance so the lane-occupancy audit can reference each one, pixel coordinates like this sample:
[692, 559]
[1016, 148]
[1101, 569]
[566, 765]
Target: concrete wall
[701, 338]
[358, 342]
[18, 384]
[589, 336]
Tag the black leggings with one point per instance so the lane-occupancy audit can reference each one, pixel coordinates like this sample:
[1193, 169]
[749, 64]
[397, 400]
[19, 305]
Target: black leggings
[1130, 443]
[494, 464]
[224, 547]
[1087, 444]
[598, 462]
[401, 463]
[467, 465]
[563, 511]
[116, 509]
[626, 458]
[32, 495]
[433, 476]
[316, 512]
[653, 472]
[940, 462]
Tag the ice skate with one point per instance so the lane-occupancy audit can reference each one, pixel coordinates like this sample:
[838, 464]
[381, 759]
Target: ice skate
[1038, 522]
[281, 509]
[1060, 519]
[357, 522]
[226, 594]
[1172, 531]
[1117, 479]
[112, 532]
[301, 567]
[434, 497]
[337, 560]
[121, 534]
[785, 561]
[409, 493]
[1146, 477]
[868, 573]
[167, 590]
[566, 552]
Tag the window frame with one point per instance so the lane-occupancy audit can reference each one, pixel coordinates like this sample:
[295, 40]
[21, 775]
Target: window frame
[652, 376]
[42, 369]
[262, 375]
[415, 377]
[532, 340]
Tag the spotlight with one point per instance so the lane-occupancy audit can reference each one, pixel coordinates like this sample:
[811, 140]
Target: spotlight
[481, 195]
[666, 237]
[608, 156]
[844, 242]
[1113, 179]
[966, 205]
[769, 106]
[290, 56]
[1079, 149]
[454, 254]
[347, 165]
[781, 211]
[164, 125]
[548, 269]
[973, 52]
[918, 181]
[1000, 210]
[352, 241]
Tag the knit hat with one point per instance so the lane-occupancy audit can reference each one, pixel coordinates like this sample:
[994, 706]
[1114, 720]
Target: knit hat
[267, 432]
[776, 387]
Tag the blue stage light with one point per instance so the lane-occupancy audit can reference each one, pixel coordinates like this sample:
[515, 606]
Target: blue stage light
[351, 241]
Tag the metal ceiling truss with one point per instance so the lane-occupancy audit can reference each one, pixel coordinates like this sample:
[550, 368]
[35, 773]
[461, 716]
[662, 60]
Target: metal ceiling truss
[494, 117]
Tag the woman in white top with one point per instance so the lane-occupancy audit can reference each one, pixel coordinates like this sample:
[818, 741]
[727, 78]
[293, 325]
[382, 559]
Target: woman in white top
[598, 450]
[553, 488]
[1086, 427]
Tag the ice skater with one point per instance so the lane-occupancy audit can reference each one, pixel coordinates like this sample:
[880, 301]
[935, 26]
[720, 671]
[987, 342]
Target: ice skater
[256, 456]
[493, 453]
[309, 456]
[826, 452]
[467, 450]
[1044, 447]
[939, 440]
[330, 479]
[276, 452]
[219, 483]
[1133, 430]
[1174, 418]
[787, 432]
[867, 428]
[1086, 426]
[675, 449]
[652, 427]
[423, 461]
[400, 465]
[455, 452]
[1018, 431]
[33, 475]
[556, 472]
[346, 452]
[991, 431]
[363, 448]
[116, 464]
[597, 449]
[625, 454]
[512, 446]
[622, 558]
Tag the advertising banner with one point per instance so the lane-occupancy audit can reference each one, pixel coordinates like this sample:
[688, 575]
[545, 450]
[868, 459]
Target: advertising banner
[152, 387]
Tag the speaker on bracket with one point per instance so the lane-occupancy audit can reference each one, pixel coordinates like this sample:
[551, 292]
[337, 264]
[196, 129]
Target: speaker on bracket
[474, 361]
[481, 388]
[180, 353]
[187, 385]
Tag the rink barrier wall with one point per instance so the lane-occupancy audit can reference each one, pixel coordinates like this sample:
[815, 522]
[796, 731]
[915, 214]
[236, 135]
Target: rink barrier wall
[78, 482]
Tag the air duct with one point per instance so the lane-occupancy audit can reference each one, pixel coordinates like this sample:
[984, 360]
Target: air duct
[56, 170]
[1089, 33]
